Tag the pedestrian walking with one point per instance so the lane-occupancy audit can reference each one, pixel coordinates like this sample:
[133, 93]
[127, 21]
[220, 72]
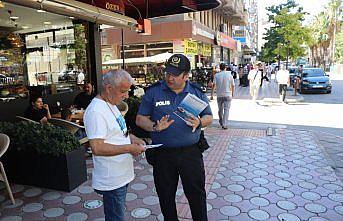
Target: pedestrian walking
[179, 155]
[240, 75]
[214, 72]
[297, 79]
[254, 78]
[245, 80]
[225, 85]
[283, 80]
[112, 146]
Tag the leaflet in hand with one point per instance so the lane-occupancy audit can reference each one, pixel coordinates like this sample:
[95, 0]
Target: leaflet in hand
[190, 105]
[152, 146]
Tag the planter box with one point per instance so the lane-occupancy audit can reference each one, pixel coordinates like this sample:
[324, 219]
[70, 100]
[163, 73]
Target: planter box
[65, 172]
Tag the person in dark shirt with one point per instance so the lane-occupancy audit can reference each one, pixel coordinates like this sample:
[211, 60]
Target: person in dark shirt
[38, 111]
[83, 99]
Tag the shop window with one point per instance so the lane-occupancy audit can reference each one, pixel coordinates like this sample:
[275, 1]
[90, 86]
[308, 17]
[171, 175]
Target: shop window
[160, 45]
[50, 55]
[133, 47]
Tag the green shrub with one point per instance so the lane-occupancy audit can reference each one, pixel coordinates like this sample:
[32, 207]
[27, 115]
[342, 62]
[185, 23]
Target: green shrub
[42, 139]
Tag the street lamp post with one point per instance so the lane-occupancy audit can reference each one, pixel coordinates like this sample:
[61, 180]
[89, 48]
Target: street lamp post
[279, 57]
[287, 54]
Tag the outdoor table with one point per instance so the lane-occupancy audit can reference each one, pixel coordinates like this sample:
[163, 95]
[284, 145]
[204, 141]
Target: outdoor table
[76, 116]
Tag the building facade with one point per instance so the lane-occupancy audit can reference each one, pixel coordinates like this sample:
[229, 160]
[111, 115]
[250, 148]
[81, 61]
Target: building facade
[204, 37]
[46, 45]
[247, 34]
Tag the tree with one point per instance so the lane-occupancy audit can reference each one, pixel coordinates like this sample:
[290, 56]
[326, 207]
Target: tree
[323, 38]
[287, 35]
[339, 48]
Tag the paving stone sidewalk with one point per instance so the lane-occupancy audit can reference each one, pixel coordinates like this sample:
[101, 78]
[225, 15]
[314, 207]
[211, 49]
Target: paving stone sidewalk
[250, 176]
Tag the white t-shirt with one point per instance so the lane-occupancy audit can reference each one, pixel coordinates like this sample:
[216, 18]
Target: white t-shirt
[80, 78]
[255, 76]
[110, 172]
[282, 76]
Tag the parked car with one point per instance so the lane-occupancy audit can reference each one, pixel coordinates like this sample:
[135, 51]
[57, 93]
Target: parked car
[315, 80]
[68, 75]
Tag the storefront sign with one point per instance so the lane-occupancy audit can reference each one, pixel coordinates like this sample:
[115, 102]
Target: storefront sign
[206, 50]
[226, 41]
[239, 46]
[199, 48]
[200, 31]
[191, 47]
[178, 46]
[241, 39]
[111, 5]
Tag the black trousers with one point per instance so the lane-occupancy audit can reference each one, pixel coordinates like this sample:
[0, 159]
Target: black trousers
[282, 91]
[187, 163]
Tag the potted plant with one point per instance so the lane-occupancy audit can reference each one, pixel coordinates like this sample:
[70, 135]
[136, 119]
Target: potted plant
[44, 156]
[133, 103]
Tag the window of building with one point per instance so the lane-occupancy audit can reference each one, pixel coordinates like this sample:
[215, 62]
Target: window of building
[42, 50]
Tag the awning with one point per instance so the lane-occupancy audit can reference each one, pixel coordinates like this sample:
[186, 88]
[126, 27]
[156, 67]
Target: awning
[155, 59]
[135, 61]
[155, 8]
[79, 10]
[160, 58]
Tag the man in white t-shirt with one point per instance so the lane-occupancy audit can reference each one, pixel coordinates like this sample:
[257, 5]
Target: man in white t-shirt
[283, 81]
[80, 80]
[112, 147]
[225, 85]
[255, 80]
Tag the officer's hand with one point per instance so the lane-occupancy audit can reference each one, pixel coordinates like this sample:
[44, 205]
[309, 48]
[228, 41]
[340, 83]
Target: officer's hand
[164, 123]
[136, 149]
[193, 121]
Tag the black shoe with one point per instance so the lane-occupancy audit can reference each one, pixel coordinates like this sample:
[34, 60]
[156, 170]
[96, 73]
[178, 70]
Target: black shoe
[225, 128]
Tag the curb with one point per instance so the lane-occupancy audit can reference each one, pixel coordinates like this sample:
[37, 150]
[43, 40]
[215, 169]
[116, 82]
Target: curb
[298, 99]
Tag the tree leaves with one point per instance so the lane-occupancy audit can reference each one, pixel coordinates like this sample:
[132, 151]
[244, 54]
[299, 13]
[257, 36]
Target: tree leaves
[287, 33]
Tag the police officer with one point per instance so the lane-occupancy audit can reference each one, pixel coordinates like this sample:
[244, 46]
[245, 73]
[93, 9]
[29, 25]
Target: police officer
[179, 155]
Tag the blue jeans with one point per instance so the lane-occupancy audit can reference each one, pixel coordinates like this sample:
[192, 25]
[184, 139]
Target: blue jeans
[114, 203]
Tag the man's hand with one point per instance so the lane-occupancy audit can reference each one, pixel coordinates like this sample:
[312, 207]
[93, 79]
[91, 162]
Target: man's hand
[46, 107]
[164, 123]
[136, 149]
[194, 122]
[136, 140]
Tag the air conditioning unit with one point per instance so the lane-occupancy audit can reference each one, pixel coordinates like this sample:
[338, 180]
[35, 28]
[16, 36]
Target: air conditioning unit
[223, 28]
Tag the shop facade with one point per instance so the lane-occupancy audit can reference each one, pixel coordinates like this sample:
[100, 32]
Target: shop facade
[48, 50]
[188, 37]
[46, 45]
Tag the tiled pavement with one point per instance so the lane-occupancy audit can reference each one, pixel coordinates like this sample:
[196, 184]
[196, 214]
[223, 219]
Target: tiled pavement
[250, 176]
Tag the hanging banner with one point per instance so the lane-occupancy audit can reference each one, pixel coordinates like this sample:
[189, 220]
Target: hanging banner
[199, 48]
[206, 50]
[191, 47]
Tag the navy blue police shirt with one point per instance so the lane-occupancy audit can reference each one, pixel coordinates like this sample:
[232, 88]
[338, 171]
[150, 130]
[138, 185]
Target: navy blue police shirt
[160, 100]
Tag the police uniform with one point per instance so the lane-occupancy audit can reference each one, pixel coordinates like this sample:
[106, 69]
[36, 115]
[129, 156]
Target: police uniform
[179, 155]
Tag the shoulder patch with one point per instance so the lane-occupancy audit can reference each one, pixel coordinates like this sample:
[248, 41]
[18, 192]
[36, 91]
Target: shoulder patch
[197, 86]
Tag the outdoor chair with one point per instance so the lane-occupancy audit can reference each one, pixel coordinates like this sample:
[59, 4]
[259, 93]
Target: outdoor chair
[26, 120]
[4, 143]
[70, 126]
